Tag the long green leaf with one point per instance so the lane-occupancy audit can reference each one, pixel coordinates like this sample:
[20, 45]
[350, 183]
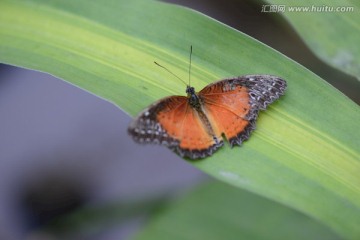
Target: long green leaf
[305, 152]
[330, 29]
[217, 211]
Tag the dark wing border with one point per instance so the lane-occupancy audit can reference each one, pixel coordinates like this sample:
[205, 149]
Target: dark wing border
[263, 89]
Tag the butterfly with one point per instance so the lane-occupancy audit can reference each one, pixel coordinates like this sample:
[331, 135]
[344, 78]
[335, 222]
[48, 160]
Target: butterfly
[194, 126]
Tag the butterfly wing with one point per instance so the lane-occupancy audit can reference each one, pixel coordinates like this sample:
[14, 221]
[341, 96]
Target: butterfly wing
[232, 105]
[173, 123]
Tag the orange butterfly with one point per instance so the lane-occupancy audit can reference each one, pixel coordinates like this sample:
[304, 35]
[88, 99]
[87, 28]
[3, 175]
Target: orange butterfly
[194, 125]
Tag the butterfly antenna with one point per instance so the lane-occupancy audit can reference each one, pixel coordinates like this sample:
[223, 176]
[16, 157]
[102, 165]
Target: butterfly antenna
[190, 65]
[170, 72]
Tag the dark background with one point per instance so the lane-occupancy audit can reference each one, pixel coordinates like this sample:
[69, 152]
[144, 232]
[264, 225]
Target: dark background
[62, 148]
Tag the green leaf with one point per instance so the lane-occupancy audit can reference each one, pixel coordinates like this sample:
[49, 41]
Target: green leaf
[305, 151]
[217, 211]
[90, 220]
[330, 29]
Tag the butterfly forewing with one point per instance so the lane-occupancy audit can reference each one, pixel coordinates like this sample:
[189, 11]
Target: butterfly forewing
[145, 128]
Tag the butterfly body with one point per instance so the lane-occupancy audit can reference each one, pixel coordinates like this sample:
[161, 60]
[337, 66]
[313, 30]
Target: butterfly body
[194, 125]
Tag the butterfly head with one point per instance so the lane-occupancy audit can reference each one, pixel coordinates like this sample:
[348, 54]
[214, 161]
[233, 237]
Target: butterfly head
[190, 90]
[193, 97]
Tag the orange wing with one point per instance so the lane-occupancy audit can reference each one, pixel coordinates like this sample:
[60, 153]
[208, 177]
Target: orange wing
[232, 105]
[172, 122]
